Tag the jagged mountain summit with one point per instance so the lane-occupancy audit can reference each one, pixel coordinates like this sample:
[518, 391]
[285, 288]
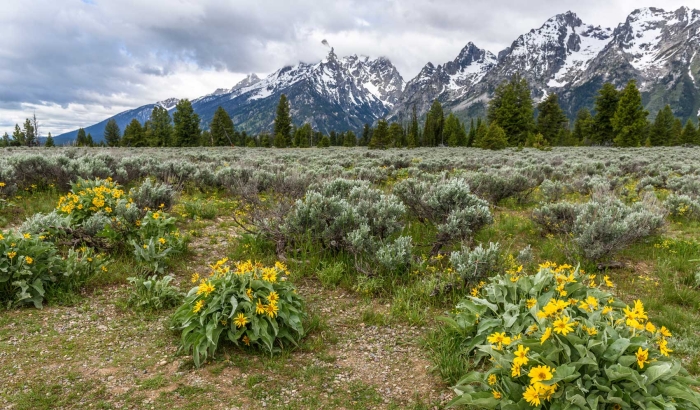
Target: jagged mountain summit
[565, 56]
[446, 82]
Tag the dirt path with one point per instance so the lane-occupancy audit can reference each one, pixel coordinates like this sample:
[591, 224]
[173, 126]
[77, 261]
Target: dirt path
[99, 355]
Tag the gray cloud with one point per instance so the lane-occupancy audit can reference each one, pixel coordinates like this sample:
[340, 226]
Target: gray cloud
[75, 62]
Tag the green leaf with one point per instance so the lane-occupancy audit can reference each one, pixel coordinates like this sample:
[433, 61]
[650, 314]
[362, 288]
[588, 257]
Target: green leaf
[616, 349]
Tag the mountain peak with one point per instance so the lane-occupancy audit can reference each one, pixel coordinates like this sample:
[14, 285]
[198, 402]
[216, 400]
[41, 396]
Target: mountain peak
[168, 103]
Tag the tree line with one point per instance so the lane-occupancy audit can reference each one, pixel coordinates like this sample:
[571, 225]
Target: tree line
[512, 119]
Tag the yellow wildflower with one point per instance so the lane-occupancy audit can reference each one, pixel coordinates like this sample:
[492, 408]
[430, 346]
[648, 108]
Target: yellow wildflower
[240, 320]
[642, 357]
[496, 394]
[492, 379]
[547, 334]
[29, 260]
[540, 374]
[563, 326]
[521, 356]
[259, 308]
[198, 306]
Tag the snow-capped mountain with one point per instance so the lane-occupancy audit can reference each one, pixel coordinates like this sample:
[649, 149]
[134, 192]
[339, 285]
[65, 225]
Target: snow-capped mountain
[659, 49]
[446, 82]
[335, 93]
[551, 56]
[564, 56]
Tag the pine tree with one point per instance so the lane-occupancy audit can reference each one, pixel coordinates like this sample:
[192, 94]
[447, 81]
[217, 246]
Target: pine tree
[481, 130]
[512, 109]
[434, 125]
[630, 119]
[366, 136]
[29, 134]
[5, 142]
[160, 128]
[81, 138]
[283, 124]
[380, 136]
[112, 134]
[472, 134]
[413, 137]
[551, 121]
[453, 131]
[49, 141]
[396, 138]
[333, 138]
[605, 107]
[306, 135]
[134, 135]
[583, 127]
[17, 137]
[221, 128]
[186, 131]
[676, 132]
[494, 139]
[690, 134]
[89, 142]
[662, 128]
[350, 139]
[324, 142]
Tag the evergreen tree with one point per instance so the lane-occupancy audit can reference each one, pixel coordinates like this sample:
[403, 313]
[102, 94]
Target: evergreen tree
[434, 125]
[494, 139]
[89, 142]
[380, 136]
[453, 133]
[49, 141]
[134, 135]
[676, 132]
[551, 121]
[413, 137]
[205, 139]
[396, 136]
[333, 138]
[30, 138]
[605, 108]
[481, 130]
[81, 138]
[512, 109]
[472, 134]
[112, 134]
[583, 127]
[5, 142]
[630, 119]
[661, 130]
[221, 128]
[18, 136]
[283, 124]
[160, 128]
[324, 142]
[186, 131]
[366, 136]
[690, 134]
[350, 139]
[306, 135]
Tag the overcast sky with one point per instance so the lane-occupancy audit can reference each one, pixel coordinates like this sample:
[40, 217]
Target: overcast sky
[77, 62]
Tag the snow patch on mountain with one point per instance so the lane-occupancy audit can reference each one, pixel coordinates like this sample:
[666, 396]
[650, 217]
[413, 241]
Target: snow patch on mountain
[592, 41]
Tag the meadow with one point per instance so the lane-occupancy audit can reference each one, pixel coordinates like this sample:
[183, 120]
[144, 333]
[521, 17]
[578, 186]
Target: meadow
[240, 278]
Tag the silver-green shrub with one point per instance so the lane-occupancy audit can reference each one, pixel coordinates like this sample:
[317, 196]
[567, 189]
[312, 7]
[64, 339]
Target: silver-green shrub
[605, 226]
[683, 206]
[449, 205]
[556, 218]
[476, 264]
[153, 195]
